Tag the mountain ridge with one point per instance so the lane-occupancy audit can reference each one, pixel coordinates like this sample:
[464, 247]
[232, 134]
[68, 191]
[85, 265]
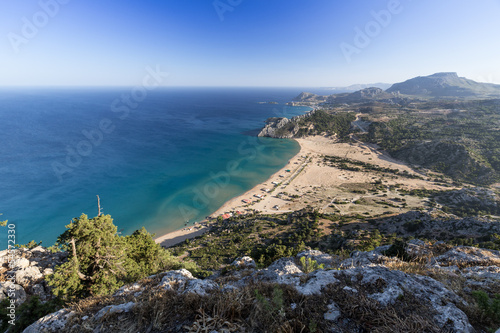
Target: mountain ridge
[445, 84]
[438, 85]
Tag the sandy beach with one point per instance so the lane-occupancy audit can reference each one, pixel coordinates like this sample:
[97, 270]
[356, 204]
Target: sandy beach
[235, 204]
[179, 236]
[307, 180]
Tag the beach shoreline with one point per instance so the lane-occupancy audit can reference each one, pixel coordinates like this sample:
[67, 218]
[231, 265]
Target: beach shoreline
[307, 180]
[232, 205]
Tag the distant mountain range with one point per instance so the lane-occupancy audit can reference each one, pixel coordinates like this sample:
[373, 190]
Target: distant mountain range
[444, 85]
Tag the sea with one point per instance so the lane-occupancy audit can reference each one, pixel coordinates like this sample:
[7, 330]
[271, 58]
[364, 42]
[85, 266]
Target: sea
[159, 159]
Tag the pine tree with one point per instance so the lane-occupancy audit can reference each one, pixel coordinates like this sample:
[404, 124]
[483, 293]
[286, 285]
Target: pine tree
[100, 261]
[96, 258]
[145, 256]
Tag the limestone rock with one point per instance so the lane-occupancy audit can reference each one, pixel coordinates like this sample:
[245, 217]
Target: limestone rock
[14, 291]
[318, 256]
[488, 272]
[28, 275]
[282, 128]
[19, 264]
[469, 256]
[359, 259]
[128, 289]
[283, 270]
[176, 279]
[111, 309]
[424, 288]
[200, 287]
[183, 281]
[316, 281]
[51, 323]
[333, 312]
[244, 262]
[275, 128]
[39, 290]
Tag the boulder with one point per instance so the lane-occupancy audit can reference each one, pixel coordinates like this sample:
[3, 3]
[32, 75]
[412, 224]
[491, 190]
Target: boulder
[244, 262]
[28, 276]
[39, 290]
[183, 281]
[176, 280]
[360, 259]
[111, 309]
[283, 270]
[200, 287]
[19, 263]
[38, 251]
[51, 323]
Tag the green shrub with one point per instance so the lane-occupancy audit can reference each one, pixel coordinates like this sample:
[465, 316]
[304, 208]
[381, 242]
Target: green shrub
[489, 306]
[309, 265]
[26, 314]
[398, 249]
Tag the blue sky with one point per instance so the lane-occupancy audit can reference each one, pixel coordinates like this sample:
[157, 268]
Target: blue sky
[257, 42]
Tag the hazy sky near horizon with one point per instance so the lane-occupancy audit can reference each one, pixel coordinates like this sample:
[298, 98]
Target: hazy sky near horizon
[321, 43]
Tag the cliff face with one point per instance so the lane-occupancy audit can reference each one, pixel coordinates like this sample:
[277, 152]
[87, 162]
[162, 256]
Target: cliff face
[368, 291]
[283, 128]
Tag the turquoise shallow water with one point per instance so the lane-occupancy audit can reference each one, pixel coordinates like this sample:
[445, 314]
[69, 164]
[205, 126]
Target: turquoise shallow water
[176, 155]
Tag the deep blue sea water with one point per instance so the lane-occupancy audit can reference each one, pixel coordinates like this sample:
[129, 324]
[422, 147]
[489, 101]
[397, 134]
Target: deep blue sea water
[174, 156]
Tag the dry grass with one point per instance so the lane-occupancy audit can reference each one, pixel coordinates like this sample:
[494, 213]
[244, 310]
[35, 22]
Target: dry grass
[408, 314]
[257, 307]
[417, 265]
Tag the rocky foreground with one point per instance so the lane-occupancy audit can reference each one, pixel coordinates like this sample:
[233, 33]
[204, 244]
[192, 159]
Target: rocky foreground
[429, 291]
[24, 272]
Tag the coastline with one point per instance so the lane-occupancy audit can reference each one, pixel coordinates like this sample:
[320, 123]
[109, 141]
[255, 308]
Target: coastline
[307, 180]
[233, 204]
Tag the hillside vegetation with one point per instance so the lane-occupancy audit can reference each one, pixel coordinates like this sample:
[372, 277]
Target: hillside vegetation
[459, 139]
